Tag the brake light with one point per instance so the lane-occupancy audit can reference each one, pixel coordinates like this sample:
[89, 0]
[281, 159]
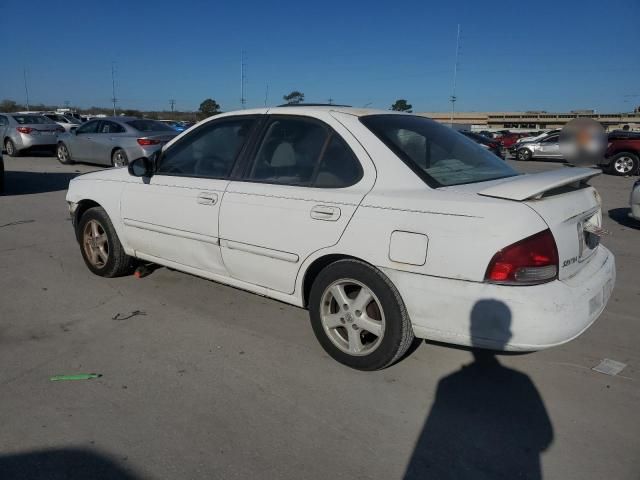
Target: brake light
[147, 141]
[26, 130]
[530, 261]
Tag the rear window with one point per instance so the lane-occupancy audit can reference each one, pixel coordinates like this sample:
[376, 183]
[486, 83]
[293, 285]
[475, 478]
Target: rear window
[149, 126]
[32, 119]
[439, 155]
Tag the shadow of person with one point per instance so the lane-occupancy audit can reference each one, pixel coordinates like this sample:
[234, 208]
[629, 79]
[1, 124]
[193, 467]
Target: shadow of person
[487, 421]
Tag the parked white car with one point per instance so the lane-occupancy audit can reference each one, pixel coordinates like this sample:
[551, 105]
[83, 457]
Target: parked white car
[386, 226]
[634, 200]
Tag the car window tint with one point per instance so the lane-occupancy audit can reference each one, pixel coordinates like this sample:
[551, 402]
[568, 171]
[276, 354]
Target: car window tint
[32, 119]
[209, 151]
[289, 152]
[338, 167]
[90, 127]
[551, 139]
[111, 127]
[149, 126]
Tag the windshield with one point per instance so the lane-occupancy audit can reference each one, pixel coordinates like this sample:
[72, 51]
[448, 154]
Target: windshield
[439, 155]
[149, 126]
[32, 119]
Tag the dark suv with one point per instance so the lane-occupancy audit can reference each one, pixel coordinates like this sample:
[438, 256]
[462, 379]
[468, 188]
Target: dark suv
[623, 153]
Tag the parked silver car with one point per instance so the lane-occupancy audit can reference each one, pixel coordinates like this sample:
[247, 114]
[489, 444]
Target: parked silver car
[634, 201]
[546, 147]
[65, 122]
[113, 140]
[20, 132]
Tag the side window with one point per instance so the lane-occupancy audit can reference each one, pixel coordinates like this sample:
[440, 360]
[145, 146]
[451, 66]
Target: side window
[551, 139]
[89, 127]
[210, 151]
[3, 121]
[111, 127]
[338, 167]
[289, 152]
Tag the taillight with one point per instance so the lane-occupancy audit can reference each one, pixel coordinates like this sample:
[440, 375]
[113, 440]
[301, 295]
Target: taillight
[26, 130]
[147, 141]
[527, 262]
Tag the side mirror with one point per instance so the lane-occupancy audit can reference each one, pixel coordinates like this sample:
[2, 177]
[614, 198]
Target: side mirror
[141, 167]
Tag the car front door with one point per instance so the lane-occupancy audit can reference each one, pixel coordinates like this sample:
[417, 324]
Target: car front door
[296, 196]
[81, 144]
[550, 147]
[173, 216]
[4, 124]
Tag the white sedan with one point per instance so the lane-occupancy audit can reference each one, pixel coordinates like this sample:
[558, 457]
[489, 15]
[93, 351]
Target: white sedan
[385, 226]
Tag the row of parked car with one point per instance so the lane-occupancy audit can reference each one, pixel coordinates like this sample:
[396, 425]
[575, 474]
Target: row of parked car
[622, 156]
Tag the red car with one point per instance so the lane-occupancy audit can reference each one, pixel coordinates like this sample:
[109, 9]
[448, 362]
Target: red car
[508, 139]
[623, 153]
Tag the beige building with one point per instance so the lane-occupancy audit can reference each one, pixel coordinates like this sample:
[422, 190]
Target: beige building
[533, 120]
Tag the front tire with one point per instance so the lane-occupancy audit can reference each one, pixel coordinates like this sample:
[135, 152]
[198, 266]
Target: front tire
[119, 158]
[524, 154]
[100, 247]
[10, 148]
[624, 164]
[358, 316]
[62, 152]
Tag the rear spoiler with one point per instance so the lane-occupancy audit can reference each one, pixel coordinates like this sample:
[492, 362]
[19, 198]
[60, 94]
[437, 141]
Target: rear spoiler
[525, 187]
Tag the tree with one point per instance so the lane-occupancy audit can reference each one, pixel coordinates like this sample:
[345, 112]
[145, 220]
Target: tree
[294, 97]
[130, 112]
[209, 107]
[401, 105]
[9, 106]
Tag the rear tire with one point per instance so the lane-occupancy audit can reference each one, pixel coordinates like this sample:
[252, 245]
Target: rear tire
[119, 158]
[623, 164]
[524, 154]
[358, 316]
[100, 246]
[62, 152]
[10, 148]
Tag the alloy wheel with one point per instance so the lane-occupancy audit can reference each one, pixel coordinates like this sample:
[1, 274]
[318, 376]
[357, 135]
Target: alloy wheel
[352, 317]
[623, 165]
[119, 159]
[95, 244]
[9, 148]
[63, 154]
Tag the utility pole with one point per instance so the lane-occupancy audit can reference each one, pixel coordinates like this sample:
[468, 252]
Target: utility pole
[26, 89]
[243, 100]
[172, 102]
[330, 100]
[113, 87]
[453, 97]
[266, 95]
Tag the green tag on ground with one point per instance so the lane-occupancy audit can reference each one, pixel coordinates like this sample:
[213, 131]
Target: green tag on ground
[78, 376]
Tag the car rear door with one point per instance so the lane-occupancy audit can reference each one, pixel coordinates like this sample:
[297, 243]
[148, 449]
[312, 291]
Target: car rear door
[105, 140]
[173, 216]
[296, 195]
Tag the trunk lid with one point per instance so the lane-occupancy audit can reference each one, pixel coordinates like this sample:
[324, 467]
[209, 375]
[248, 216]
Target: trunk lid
[163, 137]
[568, 205]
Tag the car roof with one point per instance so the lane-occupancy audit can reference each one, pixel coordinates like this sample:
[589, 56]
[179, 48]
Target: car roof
[310, 110]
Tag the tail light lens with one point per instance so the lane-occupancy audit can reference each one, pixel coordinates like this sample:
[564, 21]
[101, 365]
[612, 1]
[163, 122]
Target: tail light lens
[527, 262]
[147, 141]
[26, 130]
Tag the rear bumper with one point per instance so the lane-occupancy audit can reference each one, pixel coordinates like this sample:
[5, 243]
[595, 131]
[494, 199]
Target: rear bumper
[511, 318]
[24, 141]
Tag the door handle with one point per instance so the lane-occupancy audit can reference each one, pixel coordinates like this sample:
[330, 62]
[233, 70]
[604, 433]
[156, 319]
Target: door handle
[207, 198]
[325, 212]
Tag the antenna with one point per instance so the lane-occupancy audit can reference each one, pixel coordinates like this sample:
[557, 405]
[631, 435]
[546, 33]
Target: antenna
[172, 102]
[453, 97]
[243, 100]
[26, 89]
[113, 87]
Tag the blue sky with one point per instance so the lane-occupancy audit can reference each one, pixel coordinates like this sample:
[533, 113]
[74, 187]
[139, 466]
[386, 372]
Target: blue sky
[515, 55]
